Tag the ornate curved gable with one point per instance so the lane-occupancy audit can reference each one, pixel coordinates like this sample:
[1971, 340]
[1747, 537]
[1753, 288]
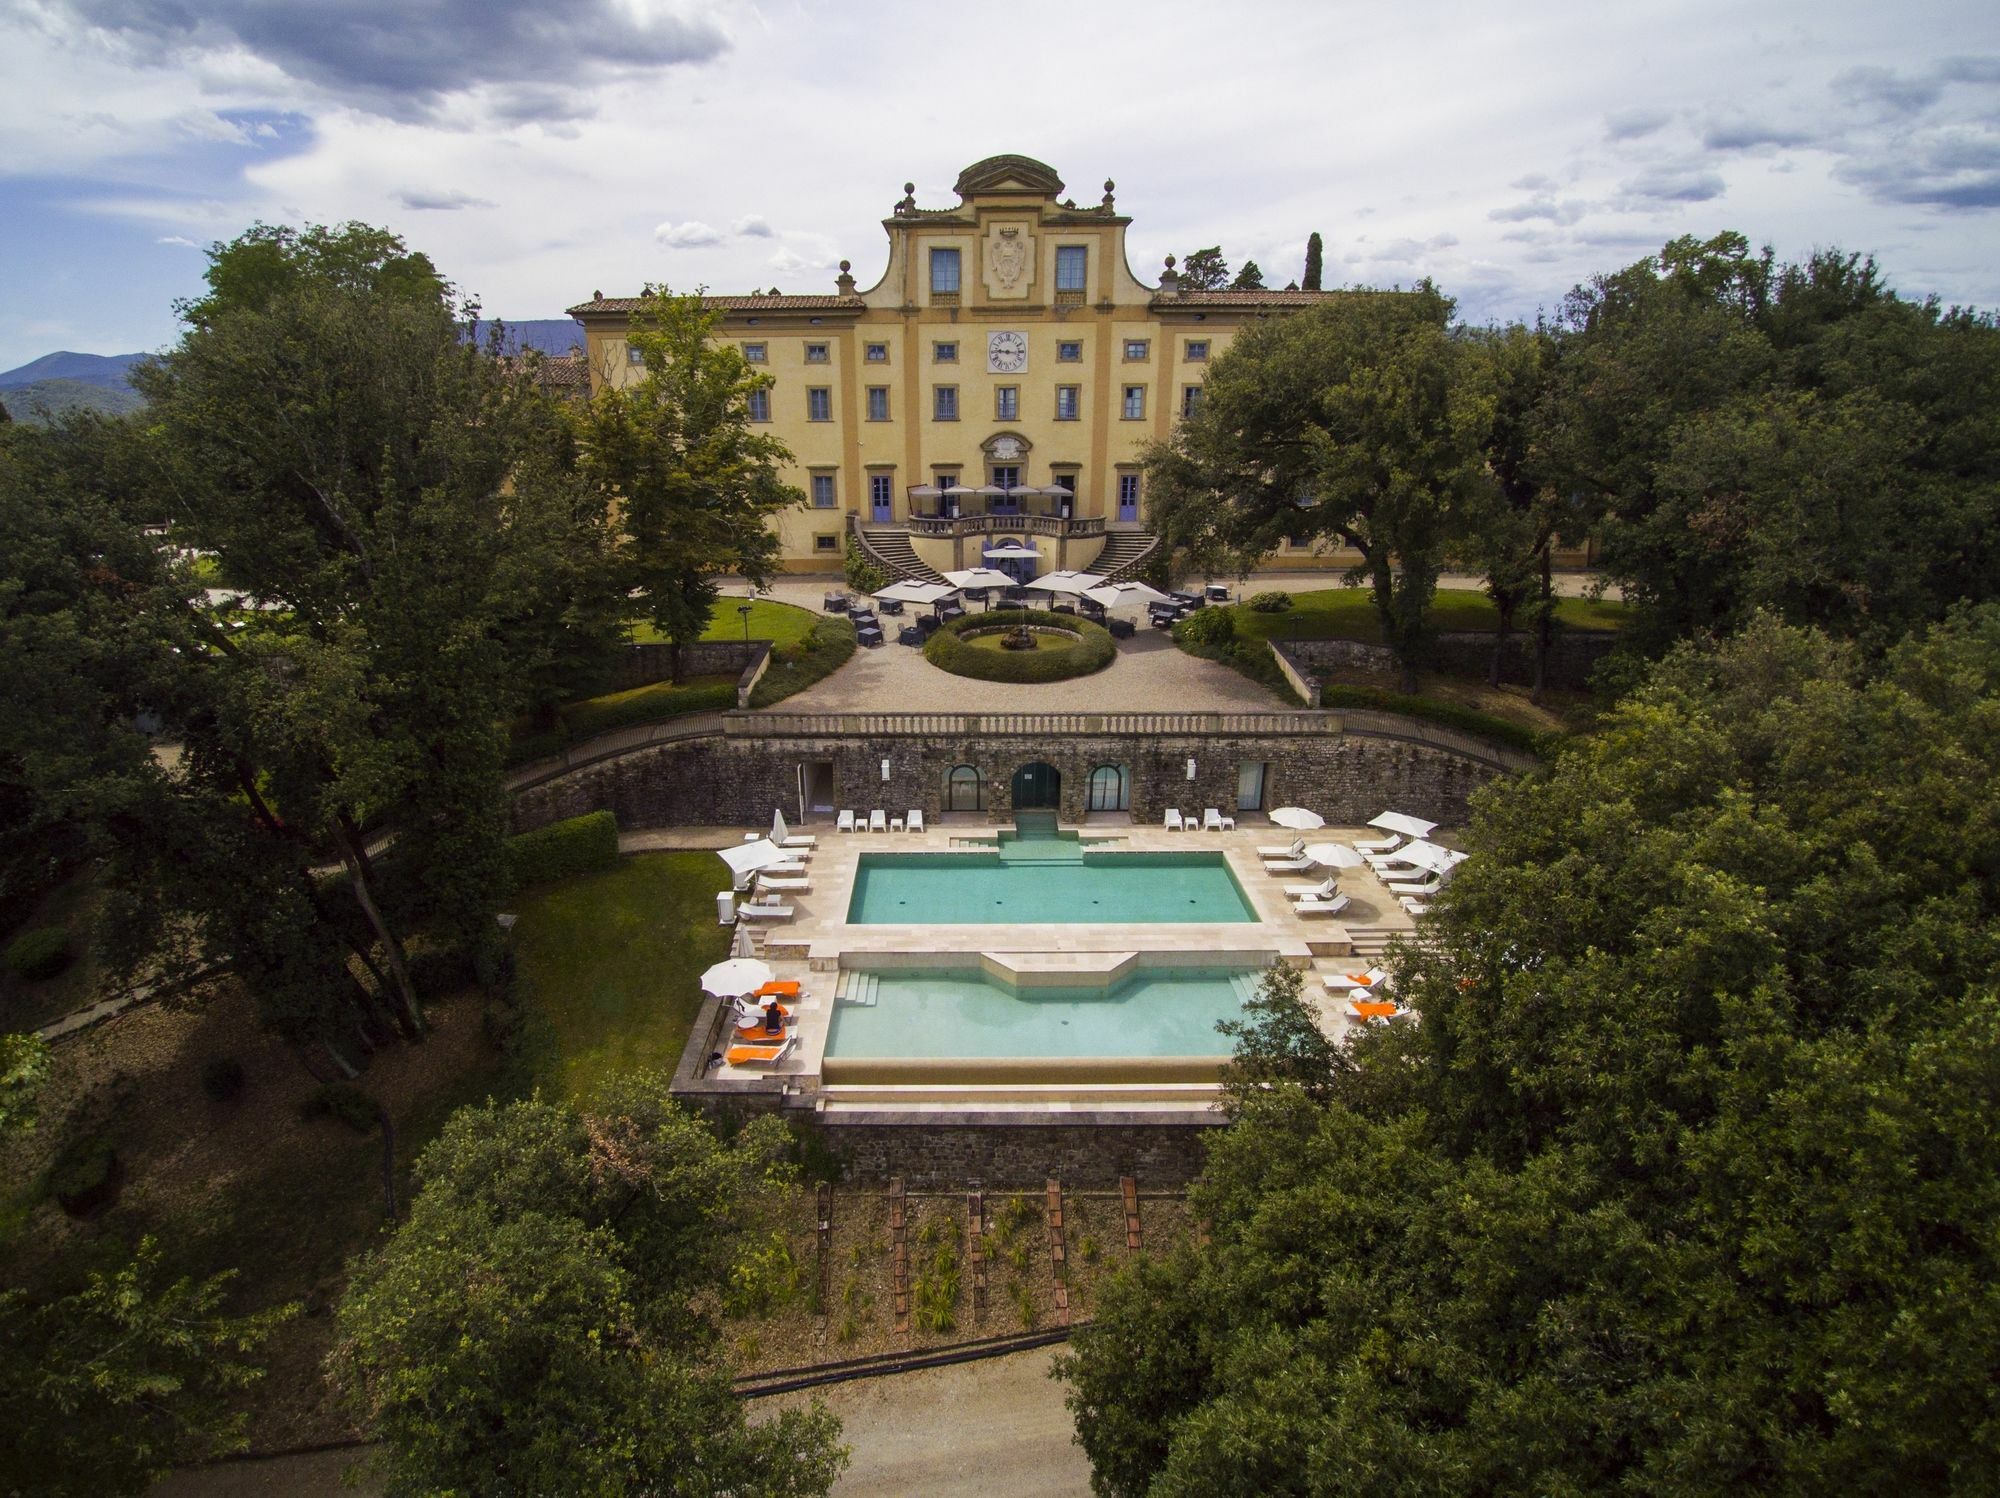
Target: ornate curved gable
[1008, 174]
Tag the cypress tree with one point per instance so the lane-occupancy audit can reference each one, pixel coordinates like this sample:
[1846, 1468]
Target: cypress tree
[1311, 279]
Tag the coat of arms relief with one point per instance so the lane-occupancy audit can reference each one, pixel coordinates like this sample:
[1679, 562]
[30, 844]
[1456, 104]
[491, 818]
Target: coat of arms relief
[1010, 264]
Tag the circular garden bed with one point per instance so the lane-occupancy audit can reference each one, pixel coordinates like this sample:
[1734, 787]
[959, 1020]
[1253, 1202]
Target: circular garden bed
[1063, 646]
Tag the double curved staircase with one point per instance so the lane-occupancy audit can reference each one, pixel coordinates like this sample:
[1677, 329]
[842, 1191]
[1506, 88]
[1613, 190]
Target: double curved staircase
[889, 548]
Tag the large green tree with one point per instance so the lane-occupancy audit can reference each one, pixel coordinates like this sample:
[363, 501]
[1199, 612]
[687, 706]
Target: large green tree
[694, 485]
[1684, 1180]
[1315, 258]
[547, 1283]
[1205, 270]
[1362, 423]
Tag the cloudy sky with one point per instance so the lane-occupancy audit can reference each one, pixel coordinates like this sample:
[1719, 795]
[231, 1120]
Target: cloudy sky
[540, 151]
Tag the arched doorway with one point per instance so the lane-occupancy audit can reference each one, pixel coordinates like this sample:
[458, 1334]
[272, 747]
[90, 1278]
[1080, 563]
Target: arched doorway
[1110, 789]
[1037, 785]
[963, 789]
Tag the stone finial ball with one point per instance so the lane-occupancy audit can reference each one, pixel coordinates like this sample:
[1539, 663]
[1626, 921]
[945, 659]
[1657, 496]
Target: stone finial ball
[909, 187]
[1170, 262]
[845, 267]
[1109, 184]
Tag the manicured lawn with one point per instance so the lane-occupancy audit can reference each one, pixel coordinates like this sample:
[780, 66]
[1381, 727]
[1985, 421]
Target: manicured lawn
[780, 623]
[1349, 614]
[613, 961]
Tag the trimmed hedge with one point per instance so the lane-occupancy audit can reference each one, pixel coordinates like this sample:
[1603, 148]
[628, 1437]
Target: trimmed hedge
[1484, 725]
[828, 646]
[1269, 603]
[41, 953]
[1092, 652]
[581, 845]
[1209, 626]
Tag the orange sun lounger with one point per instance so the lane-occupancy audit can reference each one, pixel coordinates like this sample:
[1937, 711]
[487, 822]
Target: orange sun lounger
[757, 1055]
[1367, 1009]
[780, 988]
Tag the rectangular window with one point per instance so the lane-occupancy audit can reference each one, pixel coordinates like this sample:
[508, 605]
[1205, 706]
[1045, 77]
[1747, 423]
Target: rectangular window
[1190, 399]
[944, 403]
[876, 353]
[822, 491]
[1135, 403]
[819, 404]
[1068, 398]
[944, 271]
[1007, 403]
[633, 356]
[944, 353]
[826, 543]
[1072, 266]
[1069, 353]
[878, 402]
[760, 405]
[1007, 475]
[1136, 349]
[754, 353]
[1197, 350]
[815, 353]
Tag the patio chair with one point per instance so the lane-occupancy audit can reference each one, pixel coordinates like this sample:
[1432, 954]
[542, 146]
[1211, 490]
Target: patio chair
[845, 822]
[759, 1054]
[1212, 820]
[1366, 982]
[1326, 889]
[1323, 907]
[1296, 850]
[914, 822]
[1172, 820]
[878, 820]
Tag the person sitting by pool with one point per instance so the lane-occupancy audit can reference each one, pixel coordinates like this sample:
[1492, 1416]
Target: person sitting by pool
[774, 1019]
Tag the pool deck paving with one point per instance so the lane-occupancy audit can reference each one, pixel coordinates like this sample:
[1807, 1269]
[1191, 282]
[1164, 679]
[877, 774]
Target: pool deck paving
[815, 943]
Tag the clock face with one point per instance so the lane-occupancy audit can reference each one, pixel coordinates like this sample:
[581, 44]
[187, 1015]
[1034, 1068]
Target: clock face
[1006, 353]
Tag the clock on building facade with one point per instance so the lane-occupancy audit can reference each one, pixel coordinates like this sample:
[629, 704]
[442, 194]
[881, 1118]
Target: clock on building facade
[1006, 353]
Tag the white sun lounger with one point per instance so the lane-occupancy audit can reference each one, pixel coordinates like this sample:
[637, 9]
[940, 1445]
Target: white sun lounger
[845, 822]
[1299, 865]
[1379, 845]
[800, 840]
[1286, 855]
[758, 912]
[1322, 907]
[800, 885]
[1326, 889]
[914, 822]
[1415, 906]
[1344, 982]
[1420, 887]
[1172, 821]
[878, 820]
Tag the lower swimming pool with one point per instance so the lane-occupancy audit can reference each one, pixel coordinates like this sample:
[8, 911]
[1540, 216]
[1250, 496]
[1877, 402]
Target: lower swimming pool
[961, 1013]
[1076, 886]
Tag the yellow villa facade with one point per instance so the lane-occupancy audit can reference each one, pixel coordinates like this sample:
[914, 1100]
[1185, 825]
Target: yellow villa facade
[1006, 347]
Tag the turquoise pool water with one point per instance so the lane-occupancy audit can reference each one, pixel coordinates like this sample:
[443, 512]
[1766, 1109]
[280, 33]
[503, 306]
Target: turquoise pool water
[953, 1012]
[1043, 882]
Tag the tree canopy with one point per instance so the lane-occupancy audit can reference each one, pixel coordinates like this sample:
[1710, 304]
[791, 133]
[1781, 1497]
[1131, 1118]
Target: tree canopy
[1205, 270]
[545, 1284]
[1315, 254]
[1684, 1180]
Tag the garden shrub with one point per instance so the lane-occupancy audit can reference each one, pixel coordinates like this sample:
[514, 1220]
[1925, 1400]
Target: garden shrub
[763, 1279]
[350, 1105]
[40, 953]
[1093, 651]
[863, 576]
[828, 646]
[1207, 627]
[437, 971]
[1270, 603]
[1452, 715]
[222, 1078]
[562, 850]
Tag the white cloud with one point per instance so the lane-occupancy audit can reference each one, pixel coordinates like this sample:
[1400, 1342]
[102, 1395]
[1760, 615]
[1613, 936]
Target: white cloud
[691, 235]
[179, 239]
[753, 226]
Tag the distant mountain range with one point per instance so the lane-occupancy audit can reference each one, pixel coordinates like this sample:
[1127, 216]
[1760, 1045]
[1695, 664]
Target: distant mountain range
[101, 382]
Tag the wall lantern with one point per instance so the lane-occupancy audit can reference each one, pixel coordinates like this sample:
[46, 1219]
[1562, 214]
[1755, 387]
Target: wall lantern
[1190, 769]
[885, 772]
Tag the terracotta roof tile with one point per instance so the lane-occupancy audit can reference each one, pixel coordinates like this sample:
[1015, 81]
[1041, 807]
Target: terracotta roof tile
[732, 304]
[1245, 298]
[565, 374]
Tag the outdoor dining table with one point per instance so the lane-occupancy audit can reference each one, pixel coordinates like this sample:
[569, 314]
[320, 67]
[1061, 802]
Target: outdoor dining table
[834, 603]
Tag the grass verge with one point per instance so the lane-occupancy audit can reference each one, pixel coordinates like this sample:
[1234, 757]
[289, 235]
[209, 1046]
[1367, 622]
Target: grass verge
[612, 964]
[1349, 614]
[780, 623]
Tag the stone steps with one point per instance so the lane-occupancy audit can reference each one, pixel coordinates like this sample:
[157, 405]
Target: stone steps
[1125, 552]
[891, 550]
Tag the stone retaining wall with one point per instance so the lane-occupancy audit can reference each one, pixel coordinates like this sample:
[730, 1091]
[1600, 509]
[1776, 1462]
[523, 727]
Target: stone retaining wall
[1573, 656]
[1347, 778]
[642, 665]
[933, 1151]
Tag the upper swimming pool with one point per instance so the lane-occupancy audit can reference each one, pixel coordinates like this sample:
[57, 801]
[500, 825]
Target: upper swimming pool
[1067, 886]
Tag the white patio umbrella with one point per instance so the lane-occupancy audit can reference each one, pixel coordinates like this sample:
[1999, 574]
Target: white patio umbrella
[1395, 821]
[1333, 855]
[779, 831]
[1066, 582]
[1118, 595]
[925, 491]
[991, 491]
[1025, 491]
[1013, 554]
[1057, 491]
[958, 491]
[735, 976]
[922, 594]
[979, 577]
[1428, 856]
[746, 858]
[1298, 818]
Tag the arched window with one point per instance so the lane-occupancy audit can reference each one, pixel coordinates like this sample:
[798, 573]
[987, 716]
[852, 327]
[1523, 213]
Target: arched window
[964, 790]
[1110, 789]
